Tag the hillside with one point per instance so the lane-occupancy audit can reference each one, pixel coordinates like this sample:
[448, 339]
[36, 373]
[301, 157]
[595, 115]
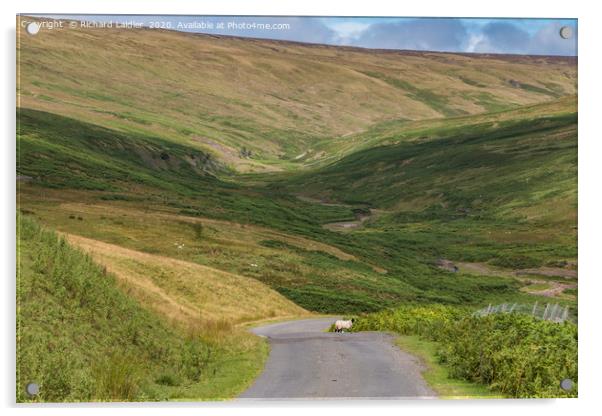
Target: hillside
[505, 160]
[186, 292]
[99, 343]
[260, 104]
[500, 187]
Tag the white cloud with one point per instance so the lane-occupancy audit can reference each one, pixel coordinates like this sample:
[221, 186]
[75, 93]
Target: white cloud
[349, 30]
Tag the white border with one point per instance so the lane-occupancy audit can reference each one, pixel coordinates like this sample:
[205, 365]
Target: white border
[590, 158]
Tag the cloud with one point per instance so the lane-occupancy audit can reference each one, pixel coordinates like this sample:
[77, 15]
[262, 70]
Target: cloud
[506, 37]
[501, 37]
[349, 31]
[547, 41]
[417, 34]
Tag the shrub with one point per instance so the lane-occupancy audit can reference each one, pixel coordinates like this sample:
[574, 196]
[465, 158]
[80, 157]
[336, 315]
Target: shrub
[168, 379]
[516, 261]
[117, 378]
[517, 355]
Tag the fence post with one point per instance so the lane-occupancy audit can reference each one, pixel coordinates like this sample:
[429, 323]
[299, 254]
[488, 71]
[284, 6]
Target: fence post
[554, 311]
[545, 312]
[534, 308]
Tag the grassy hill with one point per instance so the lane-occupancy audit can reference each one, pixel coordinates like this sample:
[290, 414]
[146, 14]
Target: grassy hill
[503, 162]
[227, 96]
[84, 335]
[499, 188]
[502, 181]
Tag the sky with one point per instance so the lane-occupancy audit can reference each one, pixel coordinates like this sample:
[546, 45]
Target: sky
[481, 35]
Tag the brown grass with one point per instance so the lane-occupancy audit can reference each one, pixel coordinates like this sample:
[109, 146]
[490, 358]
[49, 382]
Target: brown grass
[199, 296]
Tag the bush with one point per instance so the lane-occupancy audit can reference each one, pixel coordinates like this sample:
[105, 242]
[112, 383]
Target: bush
[117, 378]
[516, 262]
[168, 379]
[427, 321]
[516, 355]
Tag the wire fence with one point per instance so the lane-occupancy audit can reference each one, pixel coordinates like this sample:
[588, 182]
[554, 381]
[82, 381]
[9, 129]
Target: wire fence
[547, 312]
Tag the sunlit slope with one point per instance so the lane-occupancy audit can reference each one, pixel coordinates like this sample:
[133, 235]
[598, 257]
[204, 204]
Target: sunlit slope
[231, 95]
[188, 292]
[181, 263]
[396, 131]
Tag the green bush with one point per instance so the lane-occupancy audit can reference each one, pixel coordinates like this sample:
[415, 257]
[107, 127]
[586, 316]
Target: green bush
[516, 261]
[117, 378]
[517, 355]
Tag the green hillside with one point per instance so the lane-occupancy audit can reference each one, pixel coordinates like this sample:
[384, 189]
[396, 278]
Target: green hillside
[501, 191]
[464, 169]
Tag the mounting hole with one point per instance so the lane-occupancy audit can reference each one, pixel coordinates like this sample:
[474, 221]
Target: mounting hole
[566, 384]
[32, 389]
[566, 32]
[33, 28]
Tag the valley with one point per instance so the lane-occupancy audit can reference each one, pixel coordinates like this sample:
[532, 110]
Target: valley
[280, 180]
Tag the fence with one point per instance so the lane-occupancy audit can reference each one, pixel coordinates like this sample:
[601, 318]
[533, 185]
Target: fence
[548, 312]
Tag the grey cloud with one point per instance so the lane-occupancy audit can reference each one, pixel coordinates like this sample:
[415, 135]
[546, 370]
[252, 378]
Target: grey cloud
[547, 41]
[501, 37]
[419, 34]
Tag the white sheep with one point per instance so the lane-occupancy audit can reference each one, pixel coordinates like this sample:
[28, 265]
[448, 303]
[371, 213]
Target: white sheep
[340, 325]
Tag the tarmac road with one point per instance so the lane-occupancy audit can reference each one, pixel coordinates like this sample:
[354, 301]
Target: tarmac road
[306, 362]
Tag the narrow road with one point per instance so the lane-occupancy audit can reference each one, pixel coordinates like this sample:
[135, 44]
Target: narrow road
[306, 362]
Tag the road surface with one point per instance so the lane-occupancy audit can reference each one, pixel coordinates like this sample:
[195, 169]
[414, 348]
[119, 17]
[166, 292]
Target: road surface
[306, 362]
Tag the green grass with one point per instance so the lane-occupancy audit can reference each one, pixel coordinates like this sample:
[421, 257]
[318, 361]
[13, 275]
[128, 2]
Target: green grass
[438, 376]
[538, 286]
[432, 99]
[506, 189]
[82, 338]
